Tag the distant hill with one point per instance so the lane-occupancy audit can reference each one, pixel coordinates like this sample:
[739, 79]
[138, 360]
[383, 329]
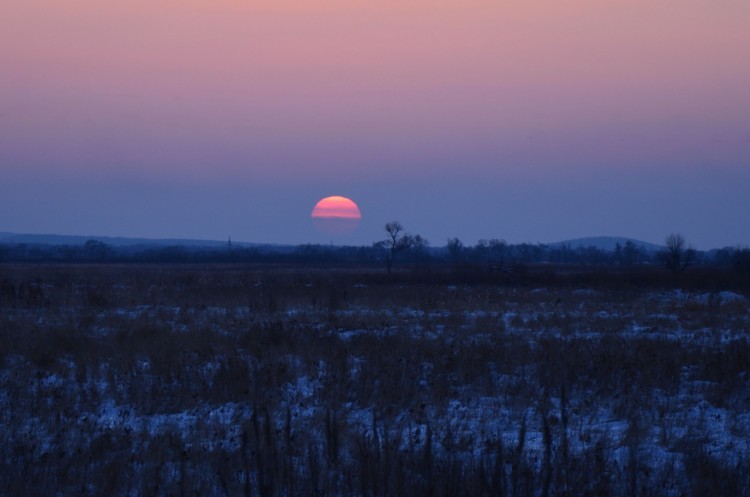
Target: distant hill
[15, 238]
[607, 243]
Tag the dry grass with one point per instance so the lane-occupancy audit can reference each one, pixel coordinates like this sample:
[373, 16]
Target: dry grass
[232, 380]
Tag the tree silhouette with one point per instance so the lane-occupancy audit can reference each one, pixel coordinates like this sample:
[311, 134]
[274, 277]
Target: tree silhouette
[676, 257]
[397, 241]
[455, 249]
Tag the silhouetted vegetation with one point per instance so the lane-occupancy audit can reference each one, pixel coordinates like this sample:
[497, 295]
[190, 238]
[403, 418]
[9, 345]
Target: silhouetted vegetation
[398, 241]
[676, 256]
[491, 255]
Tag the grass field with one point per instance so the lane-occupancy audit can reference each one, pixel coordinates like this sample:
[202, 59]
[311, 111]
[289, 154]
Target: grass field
[262, 380]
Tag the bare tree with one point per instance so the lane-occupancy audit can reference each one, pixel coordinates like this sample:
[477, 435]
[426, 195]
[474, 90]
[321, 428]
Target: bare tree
[631, 253]
[95, 249]
[491, 251]
[455, 249]
[397, 241]
[498, 248]
[419, 248]
[676, 256]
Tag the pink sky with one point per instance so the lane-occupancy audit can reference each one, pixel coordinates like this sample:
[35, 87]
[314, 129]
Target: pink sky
[314, 97]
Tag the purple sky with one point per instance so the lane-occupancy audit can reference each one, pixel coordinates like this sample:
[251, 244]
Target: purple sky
[528, 121]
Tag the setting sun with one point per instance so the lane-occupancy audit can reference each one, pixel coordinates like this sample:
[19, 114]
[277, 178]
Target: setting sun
[336, 215]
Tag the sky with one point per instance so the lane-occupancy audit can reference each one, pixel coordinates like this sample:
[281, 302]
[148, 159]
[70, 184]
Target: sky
[525, 120]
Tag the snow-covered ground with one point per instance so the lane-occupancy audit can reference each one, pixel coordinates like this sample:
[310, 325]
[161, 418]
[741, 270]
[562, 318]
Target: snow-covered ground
[364, 391]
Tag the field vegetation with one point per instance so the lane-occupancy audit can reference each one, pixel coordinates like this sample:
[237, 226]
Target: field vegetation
[441, 380]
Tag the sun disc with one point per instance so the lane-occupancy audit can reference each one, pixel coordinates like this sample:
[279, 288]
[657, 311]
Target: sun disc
[336, 215]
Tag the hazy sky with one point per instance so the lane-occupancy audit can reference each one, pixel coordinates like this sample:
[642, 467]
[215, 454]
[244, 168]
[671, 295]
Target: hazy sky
[528, 120]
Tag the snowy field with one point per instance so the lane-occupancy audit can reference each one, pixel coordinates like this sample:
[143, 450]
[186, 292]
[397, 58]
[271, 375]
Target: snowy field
[120, 380]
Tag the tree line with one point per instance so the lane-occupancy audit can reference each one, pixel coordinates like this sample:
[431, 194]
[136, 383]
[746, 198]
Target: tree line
[398, 246]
